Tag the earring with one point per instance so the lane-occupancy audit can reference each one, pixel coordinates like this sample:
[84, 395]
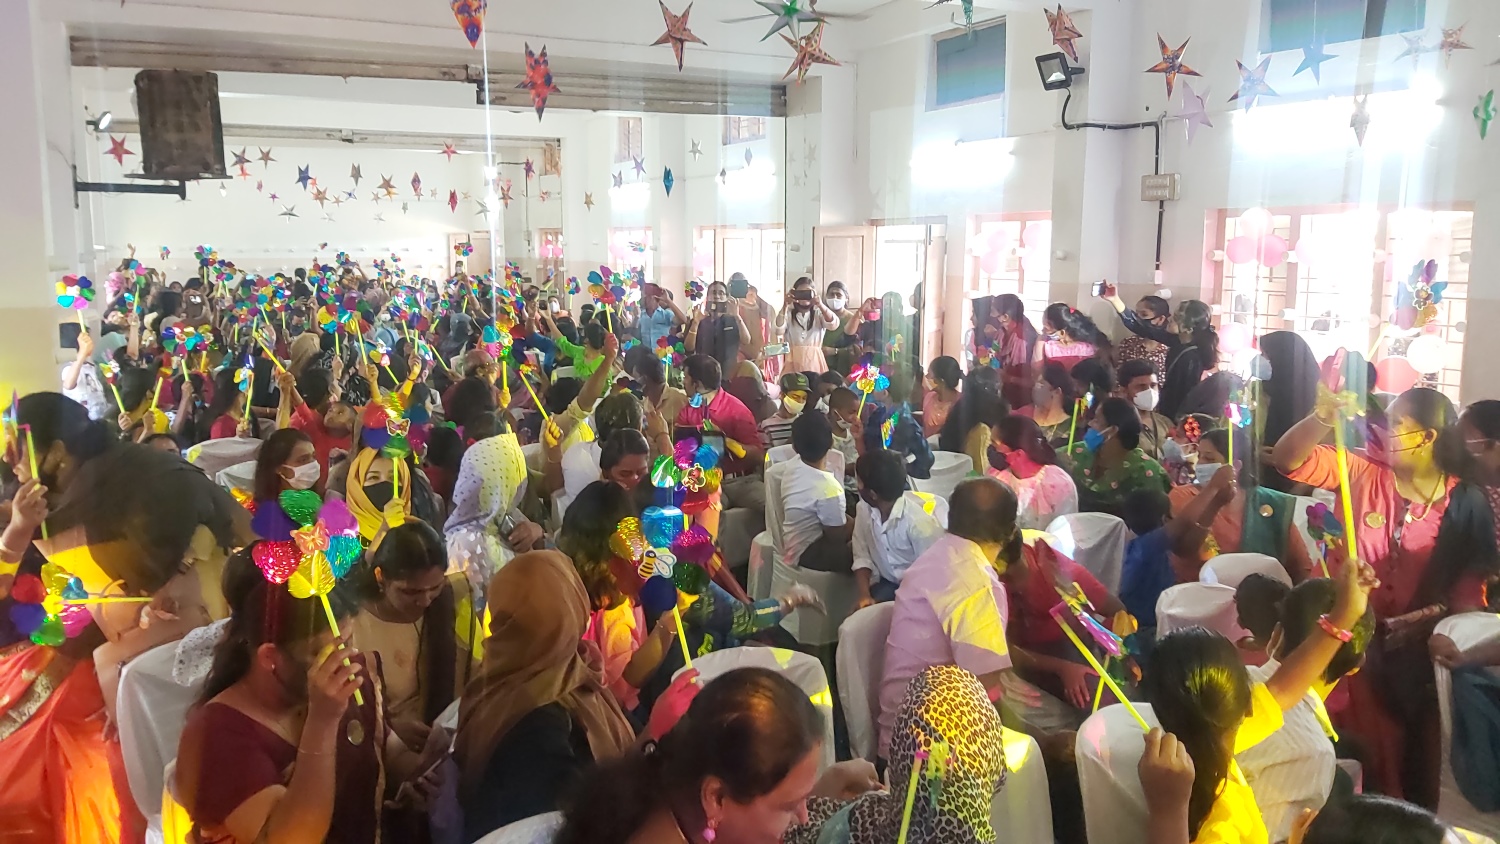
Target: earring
[709, 832]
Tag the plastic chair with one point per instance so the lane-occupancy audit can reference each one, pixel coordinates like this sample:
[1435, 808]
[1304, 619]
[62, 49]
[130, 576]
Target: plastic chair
[1299, 520]
[1095, 541]
[948, 468]
[1022, 811]
[564, 372]
[1467, 630]
[1207, 605]
[838, 591]
[806, 671]
[1108, 750]
[1232, 569]
[151, 709]
[758, 574]
[214, 456]
[536, 457]
[860, 661]
[541, 829]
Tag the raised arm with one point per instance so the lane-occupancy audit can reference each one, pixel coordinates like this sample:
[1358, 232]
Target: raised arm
[1109, 293]
[1303, 666]
[1297, 444]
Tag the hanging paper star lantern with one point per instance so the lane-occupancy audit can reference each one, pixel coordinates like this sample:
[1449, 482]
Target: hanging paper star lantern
[75, 292]
[538, 79]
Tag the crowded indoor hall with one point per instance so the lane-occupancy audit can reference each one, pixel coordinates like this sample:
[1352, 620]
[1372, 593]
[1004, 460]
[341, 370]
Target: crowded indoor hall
[749, 421]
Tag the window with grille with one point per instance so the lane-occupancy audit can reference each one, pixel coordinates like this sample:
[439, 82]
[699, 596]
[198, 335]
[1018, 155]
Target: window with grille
[1294, 24]
[967, 67]
[739, 130]
[1011, 256]
[1339, 286]
[628, 144]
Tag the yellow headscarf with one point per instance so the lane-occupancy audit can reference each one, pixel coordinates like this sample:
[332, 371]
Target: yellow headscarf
[371, 517]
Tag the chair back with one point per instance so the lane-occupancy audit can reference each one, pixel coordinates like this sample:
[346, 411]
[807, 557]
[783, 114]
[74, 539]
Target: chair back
[1207, 605]
[775, 511]
[150, 710]
[214, 456]
[860, 661]
[1467, 630]
[240, 476]
[948, 468]
[1095, 541]
[803, 670]
[1232, 569]
[1108, 751]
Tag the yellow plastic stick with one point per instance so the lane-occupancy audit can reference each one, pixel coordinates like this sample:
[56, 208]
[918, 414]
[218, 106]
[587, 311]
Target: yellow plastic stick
[1344, 497]
[31, 457]
[1073, 429]
[687, 656]
[270, 354]
[1103, 675]
[1099, 690]
[529, 389]
[911, 798]
[333, 622]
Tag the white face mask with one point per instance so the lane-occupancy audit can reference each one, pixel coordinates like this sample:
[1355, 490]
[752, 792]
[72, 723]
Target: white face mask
[1204, 472]
[1146, 399]
[304, 476]
[793, 406]
[1171, 451]
[836, 302]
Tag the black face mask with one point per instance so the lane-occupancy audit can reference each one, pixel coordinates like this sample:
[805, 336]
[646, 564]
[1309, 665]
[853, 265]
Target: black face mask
[380, 494]
[998, 462]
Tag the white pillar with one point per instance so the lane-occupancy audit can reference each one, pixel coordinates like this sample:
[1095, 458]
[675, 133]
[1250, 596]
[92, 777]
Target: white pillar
[37, 220]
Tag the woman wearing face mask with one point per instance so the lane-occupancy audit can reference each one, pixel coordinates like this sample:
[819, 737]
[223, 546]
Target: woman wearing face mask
[805, 321]
[286, 460]
[1192, 349]
[1070, 338]
[1052, 400]
[1154, 311]
[377, 489]
[967, 429]
[422, 623]
[1253, 519]
[1021, 459]
[943, 378]
[1012, 343]
[1430, 539]
[1109, 465]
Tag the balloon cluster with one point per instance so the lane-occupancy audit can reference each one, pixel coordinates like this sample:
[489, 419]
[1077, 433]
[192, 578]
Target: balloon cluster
[75, 292]
[41, 607]
[309, 543]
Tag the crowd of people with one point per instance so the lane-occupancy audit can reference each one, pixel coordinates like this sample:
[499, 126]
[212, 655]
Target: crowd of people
[435, 558]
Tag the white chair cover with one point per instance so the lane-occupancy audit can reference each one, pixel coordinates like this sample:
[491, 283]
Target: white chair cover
[1232, 569]
[1095, 541]
[1022, 811]
[948, 468]
[240, 476]
[1467, 630]
[1199, 605]
[536, 457]
[758, 575]
[860, 662]
[541, 829]
[806, 671]
[214, 456]
[780, 454]
[151, 710]
[1108, 750]
[564, 372]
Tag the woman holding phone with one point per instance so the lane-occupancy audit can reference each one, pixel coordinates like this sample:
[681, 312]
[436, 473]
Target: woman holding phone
[716, 328]
[805, 319]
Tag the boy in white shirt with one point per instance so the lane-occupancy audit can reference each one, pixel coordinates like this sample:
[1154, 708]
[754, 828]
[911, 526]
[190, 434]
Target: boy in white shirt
[815, 527]
[892, 527]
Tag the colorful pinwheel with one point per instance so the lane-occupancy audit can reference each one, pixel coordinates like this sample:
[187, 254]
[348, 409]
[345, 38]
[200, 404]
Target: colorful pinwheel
[75, 292]
[51, 608]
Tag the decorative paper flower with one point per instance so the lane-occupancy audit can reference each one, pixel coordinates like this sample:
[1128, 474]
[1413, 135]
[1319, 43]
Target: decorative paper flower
[75, 292]
[696, 290]
[1322, 524]
[319, 553]
[40, 606]
[1073, 601]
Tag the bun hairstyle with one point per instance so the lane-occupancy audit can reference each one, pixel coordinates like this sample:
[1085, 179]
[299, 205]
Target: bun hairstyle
[747, 729]
[1196, 318]
[1020, 433]
[1200, 692]
[1063, 317]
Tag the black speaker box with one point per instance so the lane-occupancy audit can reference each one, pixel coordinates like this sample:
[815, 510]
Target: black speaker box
[182, 135]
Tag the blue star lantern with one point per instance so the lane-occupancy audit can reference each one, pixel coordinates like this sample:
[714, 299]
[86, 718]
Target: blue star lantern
[1253, 84]
[304, 176]
[667, 181]
[1313, 57]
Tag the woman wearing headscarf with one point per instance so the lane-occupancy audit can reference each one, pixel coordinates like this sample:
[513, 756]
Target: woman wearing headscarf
[1013, 340]
[944, 705]
[1286, 396]
[486, 507]
[306, 349]
[537, 714]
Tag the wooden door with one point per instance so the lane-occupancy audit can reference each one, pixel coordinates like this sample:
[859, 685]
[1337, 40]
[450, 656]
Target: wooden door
[478, 263]
[846, 254]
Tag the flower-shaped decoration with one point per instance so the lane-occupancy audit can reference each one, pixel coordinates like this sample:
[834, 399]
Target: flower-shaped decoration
[1417, 299]
[658, 556]
[1322, 525]
[316, 552]
[245, 375]
[1191, 430]
[1076, 603]
[868, 377]
[205, 255]
[696, 290]
[75, 292]
[380, 354]
[49, 609]
[573, 287]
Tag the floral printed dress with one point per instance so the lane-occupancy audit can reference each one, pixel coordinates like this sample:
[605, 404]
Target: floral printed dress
[1106, 490]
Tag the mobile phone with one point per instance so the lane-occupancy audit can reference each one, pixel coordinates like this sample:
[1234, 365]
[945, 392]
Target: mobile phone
[1333, 370]
[802, 294]
[650, 289]
[739, 288]
[67, 334]
[718, 307]
[1097, 289]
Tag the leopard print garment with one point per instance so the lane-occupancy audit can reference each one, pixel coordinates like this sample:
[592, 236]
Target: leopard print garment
[943, 703]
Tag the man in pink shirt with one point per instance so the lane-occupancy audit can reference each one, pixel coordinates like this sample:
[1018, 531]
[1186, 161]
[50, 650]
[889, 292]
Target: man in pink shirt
[951, 606]
[702, 380]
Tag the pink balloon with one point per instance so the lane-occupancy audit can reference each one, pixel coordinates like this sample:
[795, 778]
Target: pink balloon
[1255, 222]
[1395, 375]
[1240, 250]
[991, 263]
[1030, 234]
[1273, 249]
[1234, 337]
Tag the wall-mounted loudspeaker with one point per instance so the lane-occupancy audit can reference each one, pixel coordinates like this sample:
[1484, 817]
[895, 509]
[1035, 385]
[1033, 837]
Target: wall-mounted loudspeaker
[182, 136]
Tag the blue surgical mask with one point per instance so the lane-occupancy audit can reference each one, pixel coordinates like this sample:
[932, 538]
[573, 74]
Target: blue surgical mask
[1171, 452]
[1092, 439]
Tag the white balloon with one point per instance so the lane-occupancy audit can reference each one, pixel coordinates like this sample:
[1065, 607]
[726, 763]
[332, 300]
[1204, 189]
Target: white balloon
[1425, 354]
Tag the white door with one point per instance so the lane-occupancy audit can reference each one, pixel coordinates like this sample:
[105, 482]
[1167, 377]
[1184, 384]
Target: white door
[846, 254]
